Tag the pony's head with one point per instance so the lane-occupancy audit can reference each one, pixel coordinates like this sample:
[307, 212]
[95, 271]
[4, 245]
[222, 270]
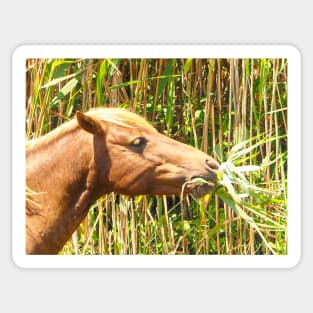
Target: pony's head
[131, 157]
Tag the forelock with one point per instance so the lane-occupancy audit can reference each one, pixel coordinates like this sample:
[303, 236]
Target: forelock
[120, 117]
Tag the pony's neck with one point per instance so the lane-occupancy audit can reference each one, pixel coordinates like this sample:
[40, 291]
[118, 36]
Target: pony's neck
[60, 169]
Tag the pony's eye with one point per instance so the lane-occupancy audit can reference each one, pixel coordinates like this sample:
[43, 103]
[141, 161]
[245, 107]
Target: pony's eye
[138, 142]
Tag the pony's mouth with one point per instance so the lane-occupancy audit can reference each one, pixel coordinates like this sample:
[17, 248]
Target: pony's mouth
[199, 186]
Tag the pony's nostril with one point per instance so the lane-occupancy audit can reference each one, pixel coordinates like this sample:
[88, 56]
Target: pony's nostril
[212, 164]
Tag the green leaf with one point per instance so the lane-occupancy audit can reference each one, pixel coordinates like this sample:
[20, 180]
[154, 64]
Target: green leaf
[164, 81]
[199, 181]
[67, 88]
[58, 80]
[100, 77]
[187, 66]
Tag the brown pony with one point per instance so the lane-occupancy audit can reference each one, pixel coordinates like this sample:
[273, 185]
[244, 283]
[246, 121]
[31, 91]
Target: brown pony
[102, 151]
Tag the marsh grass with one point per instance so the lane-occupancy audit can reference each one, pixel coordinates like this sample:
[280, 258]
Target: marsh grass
[233, 109]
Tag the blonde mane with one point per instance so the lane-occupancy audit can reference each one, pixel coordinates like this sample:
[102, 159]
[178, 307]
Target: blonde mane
[120, 117]
[115, 116]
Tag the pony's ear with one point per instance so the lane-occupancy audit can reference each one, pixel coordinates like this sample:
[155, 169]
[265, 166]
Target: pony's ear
[89, 123]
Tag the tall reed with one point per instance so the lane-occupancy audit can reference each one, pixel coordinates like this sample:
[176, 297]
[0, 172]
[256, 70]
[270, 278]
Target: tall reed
[212, 104]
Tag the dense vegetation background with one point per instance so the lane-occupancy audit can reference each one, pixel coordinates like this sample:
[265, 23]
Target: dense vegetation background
[212, 104]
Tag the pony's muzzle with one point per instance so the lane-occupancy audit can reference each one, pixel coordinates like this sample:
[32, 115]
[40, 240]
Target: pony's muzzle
[212, 164]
